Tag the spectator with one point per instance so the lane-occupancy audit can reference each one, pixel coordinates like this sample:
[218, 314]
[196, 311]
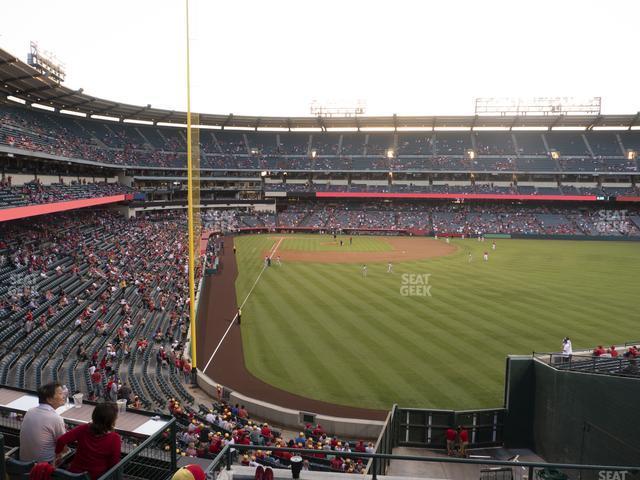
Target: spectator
[463, 438]
[567, 349]
[42, 425]
[98, 445]
[189, 472]
[451, 441]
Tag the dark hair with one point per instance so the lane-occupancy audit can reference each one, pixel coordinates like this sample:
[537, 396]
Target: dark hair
[103, 418]
[47, 391]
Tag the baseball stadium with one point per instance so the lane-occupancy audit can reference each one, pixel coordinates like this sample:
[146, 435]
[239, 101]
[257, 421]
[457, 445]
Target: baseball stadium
[446, 297]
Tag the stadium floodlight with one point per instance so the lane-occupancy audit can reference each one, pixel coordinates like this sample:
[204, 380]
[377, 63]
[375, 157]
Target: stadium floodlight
[75, 114]
[136, 121]
[169, 124]
[46, 63]
[517, 106]
[471, 154]
[104, 117]
[338, 108]
[16, 99]
[415, 129]
[390, 153]
[314, 153]
[43, 107]
[631, 154]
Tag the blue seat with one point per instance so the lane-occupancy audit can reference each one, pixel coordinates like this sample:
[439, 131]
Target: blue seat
[18, 470]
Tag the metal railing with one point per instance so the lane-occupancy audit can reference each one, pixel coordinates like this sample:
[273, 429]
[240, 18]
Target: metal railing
[384, 444]
[588, 363]
[154, 458]
[2, 467]
[426, 428]
[487, 468]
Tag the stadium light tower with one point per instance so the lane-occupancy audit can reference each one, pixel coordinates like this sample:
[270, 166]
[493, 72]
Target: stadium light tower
[46, 63]
[508, 106]
[342, 108]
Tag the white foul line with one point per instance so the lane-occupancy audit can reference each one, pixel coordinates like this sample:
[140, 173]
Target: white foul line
[273, 251]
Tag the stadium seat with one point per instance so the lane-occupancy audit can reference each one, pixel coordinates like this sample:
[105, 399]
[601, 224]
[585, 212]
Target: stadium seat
[18, 470]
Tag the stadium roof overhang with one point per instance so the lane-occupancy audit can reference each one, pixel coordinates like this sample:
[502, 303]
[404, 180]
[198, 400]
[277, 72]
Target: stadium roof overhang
[19, 80]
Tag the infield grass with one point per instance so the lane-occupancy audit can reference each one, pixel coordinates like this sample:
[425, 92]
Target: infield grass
[325, 332]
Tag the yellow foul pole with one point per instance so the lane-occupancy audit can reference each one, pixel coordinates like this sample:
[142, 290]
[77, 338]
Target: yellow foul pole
[192, 253]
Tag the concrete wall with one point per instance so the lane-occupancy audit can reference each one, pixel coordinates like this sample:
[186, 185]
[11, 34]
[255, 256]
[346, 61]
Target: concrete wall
[352, 428]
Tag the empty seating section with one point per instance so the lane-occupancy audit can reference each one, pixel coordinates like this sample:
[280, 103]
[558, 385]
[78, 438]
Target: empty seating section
[263, 143]
[452, 143]
[604, 144]
[630, 140]
[494, 143]
[567, 143]
[530, 143]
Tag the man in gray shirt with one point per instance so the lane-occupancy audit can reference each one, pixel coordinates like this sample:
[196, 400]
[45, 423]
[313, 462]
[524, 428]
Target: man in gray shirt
[42, 425]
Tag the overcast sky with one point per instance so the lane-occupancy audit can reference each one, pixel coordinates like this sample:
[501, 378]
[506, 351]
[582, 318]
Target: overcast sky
[268, 57]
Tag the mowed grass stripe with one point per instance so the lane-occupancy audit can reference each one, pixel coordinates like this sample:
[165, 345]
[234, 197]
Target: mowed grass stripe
[285, 324]
[325, 243]
[372, 337]
[529, 295]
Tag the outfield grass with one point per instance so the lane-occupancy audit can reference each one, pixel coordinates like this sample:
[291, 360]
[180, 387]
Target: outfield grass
[314, 243]
[323, 331]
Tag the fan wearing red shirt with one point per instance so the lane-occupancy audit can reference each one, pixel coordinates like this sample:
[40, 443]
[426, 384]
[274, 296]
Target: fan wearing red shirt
[463, 437]
[98, 445]
[451, 435]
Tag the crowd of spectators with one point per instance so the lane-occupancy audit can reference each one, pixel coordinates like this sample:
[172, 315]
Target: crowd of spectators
[111, 291]
[479, 187]
[459, 219]
[122, 144]
[35, 193]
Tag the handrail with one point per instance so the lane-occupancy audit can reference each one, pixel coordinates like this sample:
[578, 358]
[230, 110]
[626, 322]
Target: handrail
[2, 466]
[388, 425]
[469, 461]
[133, 453]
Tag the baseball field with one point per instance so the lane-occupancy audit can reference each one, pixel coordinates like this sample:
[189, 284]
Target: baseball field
[433, 331]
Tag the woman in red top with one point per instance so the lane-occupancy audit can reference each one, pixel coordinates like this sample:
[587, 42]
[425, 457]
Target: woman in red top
[98, 445]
